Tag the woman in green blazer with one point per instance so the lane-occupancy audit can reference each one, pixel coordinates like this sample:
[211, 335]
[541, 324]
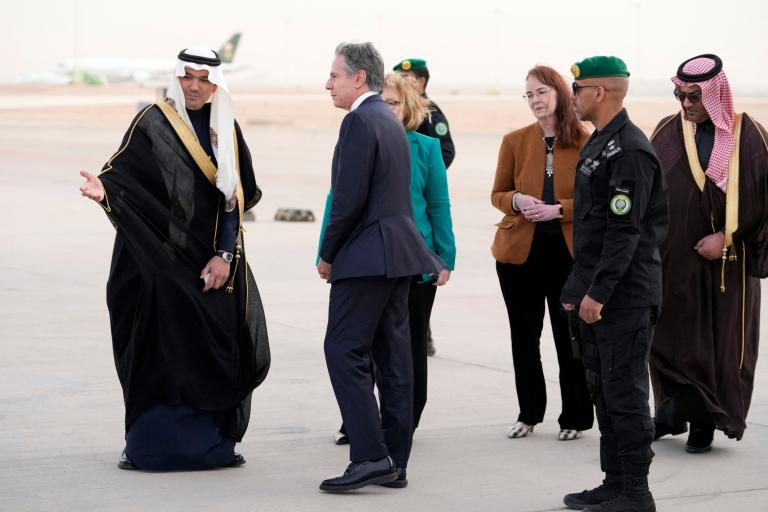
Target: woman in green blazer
[432, 215]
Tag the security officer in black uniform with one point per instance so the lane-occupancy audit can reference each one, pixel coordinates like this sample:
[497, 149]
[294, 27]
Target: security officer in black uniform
[620, 218]
[434, 125]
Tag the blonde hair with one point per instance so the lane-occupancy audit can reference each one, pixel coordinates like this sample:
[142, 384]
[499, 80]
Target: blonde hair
[415, 108]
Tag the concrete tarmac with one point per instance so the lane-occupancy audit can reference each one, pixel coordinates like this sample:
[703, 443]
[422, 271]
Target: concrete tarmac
[61, 410]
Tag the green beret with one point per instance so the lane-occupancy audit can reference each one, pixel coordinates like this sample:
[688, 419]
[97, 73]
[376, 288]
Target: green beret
[599, 67]
[410, 65]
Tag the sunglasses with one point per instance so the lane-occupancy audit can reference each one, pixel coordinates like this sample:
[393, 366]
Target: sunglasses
[692, 97]
[576, 87]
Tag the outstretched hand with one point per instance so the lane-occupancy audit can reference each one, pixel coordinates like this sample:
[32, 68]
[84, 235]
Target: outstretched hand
[92, 188]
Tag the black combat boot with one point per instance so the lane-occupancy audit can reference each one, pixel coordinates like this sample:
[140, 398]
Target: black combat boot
[634, 497]
[608, 490]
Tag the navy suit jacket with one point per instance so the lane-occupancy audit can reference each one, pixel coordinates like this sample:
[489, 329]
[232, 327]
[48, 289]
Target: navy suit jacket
[371, 231]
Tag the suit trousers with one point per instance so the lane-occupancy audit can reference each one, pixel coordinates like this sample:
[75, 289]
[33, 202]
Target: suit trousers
[368, 318]
[526, 288]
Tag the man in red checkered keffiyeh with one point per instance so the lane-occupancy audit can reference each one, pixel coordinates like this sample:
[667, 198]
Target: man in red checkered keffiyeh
[705, 75]
[715, 163]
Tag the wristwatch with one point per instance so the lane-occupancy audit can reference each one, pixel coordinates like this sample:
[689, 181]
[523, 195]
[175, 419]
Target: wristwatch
[226, 256]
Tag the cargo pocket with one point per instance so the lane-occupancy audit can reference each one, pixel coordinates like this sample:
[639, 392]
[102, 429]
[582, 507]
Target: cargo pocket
[641, 349]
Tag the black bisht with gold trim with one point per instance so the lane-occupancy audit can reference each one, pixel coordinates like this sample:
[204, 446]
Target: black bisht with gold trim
[174, 344]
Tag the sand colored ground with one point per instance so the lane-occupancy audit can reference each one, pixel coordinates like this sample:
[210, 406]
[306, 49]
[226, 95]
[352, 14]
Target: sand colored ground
[61, 412]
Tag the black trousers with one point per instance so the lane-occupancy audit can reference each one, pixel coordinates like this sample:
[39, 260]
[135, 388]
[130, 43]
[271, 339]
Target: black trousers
[615, 352]
[526, 288]
[421, 298]
[368, 319]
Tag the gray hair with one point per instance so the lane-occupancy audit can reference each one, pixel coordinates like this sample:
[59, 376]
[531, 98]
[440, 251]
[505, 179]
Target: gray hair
[365, 57]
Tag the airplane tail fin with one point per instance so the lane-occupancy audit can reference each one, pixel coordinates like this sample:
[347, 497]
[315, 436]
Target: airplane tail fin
[227, 52]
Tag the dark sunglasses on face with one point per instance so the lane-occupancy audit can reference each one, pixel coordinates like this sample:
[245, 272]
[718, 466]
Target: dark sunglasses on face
[692, 97]
[576, 87]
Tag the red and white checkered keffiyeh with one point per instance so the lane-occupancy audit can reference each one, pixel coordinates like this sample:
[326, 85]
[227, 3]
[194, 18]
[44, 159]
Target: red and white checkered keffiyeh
[718, 102]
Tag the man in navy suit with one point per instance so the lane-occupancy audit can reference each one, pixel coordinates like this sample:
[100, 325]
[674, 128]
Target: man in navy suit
[369, 252]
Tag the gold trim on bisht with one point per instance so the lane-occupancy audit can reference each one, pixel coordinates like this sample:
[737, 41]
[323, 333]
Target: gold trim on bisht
[189, 139]
[203, 161]
[731, 189]
[108, 166]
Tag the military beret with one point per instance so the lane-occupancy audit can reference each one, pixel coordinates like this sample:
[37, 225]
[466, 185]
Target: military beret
[599, 67]
[410, 65]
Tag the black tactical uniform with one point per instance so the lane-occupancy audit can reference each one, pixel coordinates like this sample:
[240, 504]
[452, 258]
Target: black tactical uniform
[620, 218]
[436, 125]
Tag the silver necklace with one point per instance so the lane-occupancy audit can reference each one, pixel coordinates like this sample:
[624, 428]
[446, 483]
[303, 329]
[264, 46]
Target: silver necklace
[549, 167]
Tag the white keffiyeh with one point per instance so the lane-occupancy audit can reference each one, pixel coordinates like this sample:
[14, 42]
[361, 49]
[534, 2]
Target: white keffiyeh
[222, 118]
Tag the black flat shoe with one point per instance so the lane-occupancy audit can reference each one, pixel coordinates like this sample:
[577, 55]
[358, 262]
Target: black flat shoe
[239, 460]
[431, 351]
[400, 483]
[360, 474]
[125, 462]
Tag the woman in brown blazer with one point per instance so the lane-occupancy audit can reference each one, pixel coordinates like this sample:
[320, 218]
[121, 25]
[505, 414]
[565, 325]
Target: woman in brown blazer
[533, 248]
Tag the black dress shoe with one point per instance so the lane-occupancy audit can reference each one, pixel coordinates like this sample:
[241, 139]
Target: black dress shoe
[360, 474]
[662, 429]
[239, 460]
[125, 462]
[700, 439]
[400, 483]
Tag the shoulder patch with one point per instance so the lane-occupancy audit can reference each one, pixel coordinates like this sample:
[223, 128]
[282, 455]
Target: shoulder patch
[621, 204]
[441, 129]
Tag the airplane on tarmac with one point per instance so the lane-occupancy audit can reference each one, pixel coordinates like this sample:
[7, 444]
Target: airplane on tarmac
[98, 71]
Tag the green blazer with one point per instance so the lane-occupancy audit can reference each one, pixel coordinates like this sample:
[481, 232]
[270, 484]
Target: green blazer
[429, 198]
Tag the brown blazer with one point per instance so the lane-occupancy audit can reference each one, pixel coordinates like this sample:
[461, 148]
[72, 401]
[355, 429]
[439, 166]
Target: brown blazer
[521, 169]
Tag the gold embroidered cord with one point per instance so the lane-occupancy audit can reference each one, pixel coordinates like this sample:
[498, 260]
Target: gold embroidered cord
[743, 300]
[107, 208]
[722, 269]
[130, 135]
[656, 132]
[231, 285]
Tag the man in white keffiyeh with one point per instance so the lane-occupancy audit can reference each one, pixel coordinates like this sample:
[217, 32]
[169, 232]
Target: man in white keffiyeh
[188, 328]
[197, 80]
[704, 353]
